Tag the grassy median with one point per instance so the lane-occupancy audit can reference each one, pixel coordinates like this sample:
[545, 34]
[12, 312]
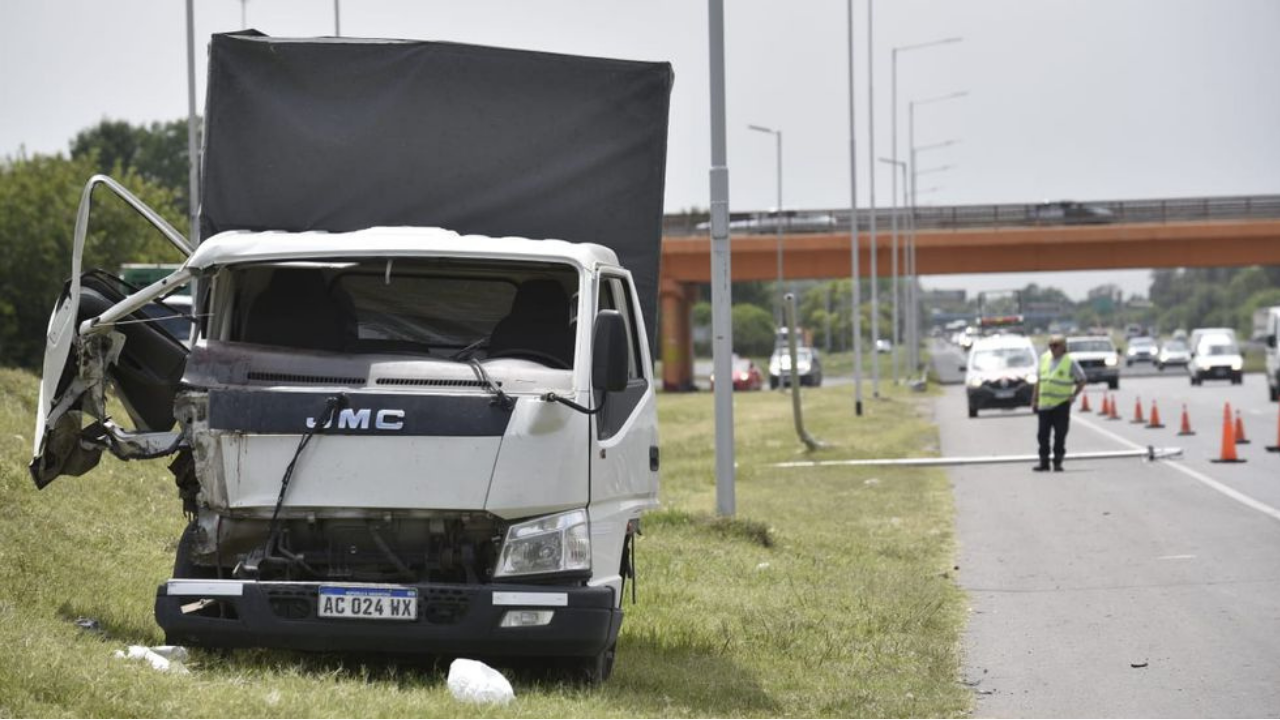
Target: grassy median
[828, 594]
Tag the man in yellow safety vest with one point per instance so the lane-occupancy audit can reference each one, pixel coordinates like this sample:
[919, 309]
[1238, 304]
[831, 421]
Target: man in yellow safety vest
[1060, 380]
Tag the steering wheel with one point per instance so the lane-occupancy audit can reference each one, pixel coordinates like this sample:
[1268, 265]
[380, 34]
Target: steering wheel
[543, 357]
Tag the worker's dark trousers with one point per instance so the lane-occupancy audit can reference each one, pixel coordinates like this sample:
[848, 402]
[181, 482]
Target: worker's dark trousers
[1057, 419]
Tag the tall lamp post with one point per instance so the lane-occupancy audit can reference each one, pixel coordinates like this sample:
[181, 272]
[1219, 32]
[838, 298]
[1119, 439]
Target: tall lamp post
[893, 132]
[853, 233]
[913, 323]
[777, 304]
[900, 165]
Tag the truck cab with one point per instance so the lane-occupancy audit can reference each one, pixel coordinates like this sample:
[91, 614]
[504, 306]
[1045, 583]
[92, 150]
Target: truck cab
[391, 440]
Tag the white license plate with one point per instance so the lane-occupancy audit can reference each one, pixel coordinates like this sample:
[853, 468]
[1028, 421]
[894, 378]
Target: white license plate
[368, 603]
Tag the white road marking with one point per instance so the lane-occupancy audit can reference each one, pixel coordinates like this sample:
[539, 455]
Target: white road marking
[1193, 474]
[1176, 557]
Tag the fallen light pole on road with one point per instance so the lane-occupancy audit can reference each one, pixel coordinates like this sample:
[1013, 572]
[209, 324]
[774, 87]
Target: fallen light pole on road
[1150, 453]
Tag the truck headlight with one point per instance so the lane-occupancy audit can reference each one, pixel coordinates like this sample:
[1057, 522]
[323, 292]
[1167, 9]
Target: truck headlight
[556, 543]
[1111, 361]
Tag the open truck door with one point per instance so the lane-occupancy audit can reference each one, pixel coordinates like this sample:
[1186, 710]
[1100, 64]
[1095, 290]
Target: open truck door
[102, 331]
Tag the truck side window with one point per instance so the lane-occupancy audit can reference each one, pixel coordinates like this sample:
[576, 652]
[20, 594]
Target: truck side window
[614, 295]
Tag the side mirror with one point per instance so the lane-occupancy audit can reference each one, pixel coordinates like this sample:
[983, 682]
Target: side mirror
[609, 364]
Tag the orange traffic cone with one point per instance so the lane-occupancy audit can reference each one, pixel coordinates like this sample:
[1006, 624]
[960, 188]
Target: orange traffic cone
[1228, 454]
[1276, 447]
[1114, 414]
[1240, 438]
[1155, 416]
[1137, 412]
[1084, 402]
[1186, 422]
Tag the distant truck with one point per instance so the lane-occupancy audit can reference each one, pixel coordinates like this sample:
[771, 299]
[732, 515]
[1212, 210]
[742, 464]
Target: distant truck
[390, 436]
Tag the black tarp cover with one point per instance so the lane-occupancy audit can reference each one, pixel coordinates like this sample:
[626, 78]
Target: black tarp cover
[340, 134]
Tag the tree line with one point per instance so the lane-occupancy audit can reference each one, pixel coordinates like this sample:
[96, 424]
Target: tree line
[39, 196]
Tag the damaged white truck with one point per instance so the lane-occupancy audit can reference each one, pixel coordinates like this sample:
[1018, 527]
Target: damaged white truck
[389, 436]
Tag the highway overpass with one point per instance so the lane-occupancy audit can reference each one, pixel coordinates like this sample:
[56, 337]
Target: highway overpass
[1110, 235]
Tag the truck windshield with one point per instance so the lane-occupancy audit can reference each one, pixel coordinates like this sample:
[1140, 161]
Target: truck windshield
[1003, 359]
[1090, 346]
[431, 307]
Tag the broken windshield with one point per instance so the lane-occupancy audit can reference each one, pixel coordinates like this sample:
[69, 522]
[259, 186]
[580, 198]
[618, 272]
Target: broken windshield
[435, 307]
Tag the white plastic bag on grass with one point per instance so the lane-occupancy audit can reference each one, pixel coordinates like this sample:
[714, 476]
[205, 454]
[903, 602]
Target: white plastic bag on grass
[165, 658]
[473, 681]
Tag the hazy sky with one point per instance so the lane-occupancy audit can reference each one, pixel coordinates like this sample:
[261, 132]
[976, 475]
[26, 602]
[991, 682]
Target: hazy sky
[1089, 99]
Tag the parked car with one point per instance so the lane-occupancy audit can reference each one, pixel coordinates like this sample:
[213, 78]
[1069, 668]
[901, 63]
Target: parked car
[1141, 349]
[1173, 352]
[1216, 357]
[808, 367]
[746, 376]
[1097, 357]
[1000, 373]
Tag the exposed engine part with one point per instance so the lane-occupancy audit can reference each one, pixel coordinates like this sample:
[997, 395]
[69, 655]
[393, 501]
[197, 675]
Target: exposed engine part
[385, 549]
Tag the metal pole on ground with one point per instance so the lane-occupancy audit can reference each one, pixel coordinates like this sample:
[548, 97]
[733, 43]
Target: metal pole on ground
[796, 410]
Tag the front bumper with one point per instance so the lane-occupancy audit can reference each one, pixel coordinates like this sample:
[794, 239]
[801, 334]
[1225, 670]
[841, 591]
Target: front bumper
[993, 396]
[1100, 373]
[1216, 372]
[451, 619]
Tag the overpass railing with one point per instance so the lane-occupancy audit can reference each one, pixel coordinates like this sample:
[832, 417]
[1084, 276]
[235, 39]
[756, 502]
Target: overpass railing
[963, 217]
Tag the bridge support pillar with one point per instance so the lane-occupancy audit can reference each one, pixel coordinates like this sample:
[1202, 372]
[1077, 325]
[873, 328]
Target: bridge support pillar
[677, 336]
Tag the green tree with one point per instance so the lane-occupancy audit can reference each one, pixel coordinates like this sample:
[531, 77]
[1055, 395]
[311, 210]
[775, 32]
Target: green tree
[38, 202]
[753, 331]
[156, 152]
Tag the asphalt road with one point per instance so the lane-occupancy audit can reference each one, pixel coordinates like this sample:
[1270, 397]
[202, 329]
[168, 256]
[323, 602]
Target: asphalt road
[1122, 588]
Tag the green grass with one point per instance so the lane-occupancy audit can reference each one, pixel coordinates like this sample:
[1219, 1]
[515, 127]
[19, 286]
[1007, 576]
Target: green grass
[828, 594]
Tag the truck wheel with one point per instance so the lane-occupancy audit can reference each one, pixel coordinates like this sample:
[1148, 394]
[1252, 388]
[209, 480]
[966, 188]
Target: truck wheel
[592, 670]
[182, 565]
[1114, 384]
[973, 411]
[773, 383]
[1273, 392]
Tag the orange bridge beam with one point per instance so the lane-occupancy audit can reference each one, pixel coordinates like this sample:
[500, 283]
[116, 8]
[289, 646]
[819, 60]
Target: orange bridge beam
[687, 260]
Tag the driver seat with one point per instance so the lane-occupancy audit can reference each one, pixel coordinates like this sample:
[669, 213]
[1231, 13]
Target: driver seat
[538, 321]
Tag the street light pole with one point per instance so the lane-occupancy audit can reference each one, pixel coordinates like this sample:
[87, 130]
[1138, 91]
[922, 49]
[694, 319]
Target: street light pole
[721, 272]
[777, 317]
[193, 152]
[893, 122]
[913, 319]
[871, 164]
[853, 233]
[897, 336]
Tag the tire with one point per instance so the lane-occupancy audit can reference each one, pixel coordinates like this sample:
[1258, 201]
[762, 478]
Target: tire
[1160, 367]
[592, 670]
[1237, 379]
[973, 411]
[773, 383]
[1273, 393]
[1114, 383]
[183, 567]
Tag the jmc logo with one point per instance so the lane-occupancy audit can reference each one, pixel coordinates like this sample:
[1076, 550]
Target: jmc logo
[349, 419]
